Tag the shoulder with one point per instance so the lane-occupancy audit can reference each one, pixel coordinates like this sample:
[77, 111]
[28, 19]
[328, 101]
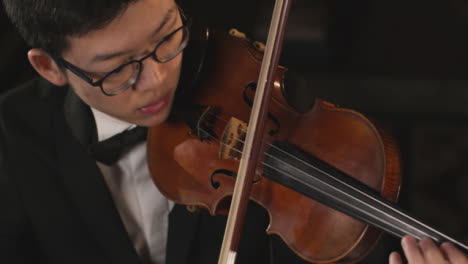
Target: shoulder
[30, 104]
[14, 226]
[27, 116]
[29, 94]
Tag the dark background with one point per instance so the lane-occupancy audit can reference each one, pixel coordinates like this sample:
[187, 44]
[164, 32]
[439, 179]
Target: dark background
[402, 63]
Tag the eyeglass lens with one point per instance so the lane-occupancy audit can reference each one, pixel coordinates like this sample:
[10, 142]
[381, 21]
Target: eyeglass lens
[126, 76]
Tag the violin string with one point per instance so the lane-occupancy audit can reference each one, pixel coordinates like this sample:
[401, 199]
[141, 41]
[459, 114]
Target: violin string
[344, 183]
[217, 117]
[221, 131]
[311, 166]
[288, 174]
[286, 153]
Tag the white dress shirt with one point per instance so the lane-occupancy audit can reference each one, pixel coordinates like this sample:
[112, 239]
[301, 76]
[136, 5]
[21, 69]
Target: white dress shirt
[143, 209]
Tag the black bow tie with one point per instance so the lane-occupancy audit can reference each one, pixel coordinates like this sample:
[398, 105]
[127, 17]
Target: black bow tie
[110, 150]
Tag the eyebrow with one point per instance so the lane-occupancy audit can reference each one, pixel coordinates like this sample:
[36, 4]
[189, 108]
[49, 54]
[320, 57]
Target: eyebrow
[104, 57]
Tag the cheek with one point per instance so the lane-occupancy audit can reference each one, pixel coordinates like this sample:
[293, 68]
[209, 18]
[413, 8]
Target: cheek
[175, 66]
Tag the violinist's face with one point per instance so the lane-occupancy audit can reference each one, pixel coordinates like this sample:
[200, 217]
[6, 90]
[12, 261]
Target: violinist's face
[129, 36]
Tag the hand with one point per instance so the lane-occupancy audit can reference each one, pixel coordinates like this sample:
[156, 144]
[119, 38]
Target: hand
[428, 253]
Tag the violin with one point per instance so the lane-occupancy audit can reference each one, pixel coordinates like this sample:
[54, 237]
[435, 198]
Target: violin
[328, 177]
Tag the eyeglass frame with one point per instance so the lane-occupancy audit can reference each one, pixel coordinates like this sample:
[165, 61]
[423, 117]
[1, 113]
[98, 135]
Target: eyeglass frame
[186, 24]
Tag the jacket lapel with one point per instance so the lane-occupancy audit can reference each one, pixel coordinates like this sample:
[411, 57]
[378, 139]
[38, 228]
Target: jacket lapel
[87, 188]
[79, 119]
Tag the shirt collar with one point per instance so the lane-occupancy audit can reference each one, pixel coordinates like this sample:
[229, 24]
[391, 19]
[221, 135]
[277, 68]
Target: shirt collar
[108, 126]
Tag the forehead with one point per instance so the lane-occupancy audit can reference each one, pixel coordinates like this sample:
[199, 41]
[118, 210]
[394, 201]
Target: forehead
[125, 32]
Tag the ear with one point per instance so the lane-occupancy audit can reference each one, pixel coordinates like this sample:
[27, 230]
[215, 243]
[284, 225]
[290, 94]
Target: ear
[43, 63]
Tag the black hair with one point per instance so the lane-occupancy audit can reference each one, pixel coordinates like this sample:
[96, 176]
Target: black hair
[45, 24]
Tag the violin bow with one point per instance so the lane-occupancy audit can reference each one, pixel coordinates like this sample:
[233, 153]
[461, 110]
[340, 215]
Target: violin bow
[252, 146]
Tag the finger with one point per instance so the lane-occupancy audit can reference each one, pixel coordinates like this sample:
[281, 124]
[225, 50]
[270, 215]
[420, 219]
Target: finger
[394, 258]
[431, 252]
[412, 252]
[453, 254]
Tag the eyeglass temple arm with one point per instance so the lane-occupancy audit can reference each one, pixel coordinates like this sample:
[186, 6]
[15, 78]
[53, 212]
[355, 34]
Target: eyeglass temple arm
[64, 63]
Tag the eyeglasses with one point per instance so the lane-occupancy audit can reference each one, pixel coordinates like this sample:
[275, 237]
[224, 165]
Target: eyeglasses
[126, 75]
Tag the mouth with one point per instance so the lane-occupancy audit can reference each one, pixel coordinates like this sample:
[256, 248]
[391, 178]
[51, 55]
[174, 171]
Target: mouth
[155, 106]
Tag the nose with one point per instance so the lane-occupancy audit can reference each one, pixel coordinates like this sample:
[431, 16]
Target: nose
[151, 76]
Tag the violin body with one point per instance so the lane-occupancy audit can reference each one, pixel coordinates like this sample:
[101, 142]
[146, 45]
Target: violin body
[202, 157]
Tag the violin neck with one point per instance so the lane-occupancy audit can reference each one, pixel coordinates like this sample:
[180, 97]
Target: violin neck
[289, 166]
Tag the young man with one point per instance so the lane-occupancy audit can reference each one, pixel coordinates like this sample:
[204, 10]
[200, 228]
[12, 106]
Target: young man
[106, 67]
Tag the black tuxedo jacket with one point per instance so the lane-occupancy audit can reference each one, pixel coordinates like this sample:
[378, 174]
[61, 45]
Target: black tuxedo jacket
[55, 206]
